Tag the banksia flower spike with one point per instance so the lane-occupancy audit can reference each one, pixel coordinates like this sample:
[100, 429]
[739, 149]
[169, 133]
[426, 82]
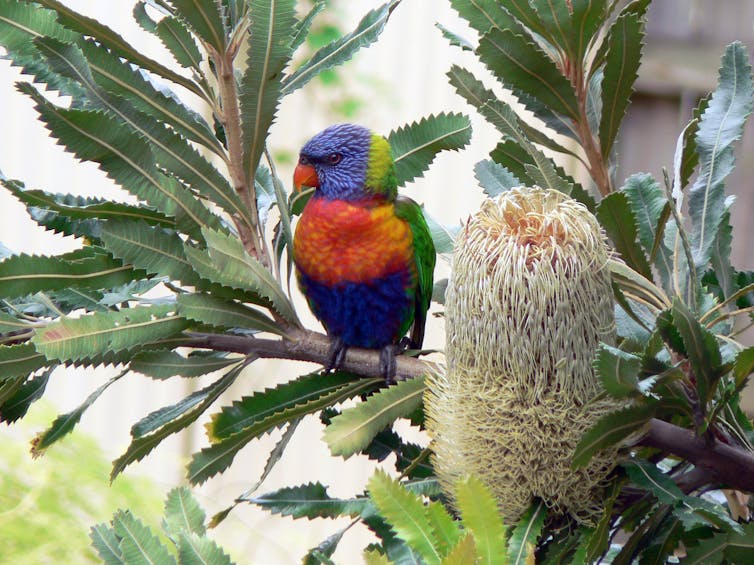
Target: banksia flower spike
[528, 301]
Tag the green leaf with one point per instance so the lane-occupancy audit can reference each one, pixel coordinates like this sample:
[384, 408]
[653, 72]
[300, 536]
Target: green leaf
[65, 423]
[203, 16]
[353, 429]
[19, 397]
[743, 365]
[526, 533]
[158, 425]
[310, 501]
[77, 338]
[19, 360]
[701, 348]
[87, 268]
[463, 553]
[616, 216]
[21, 22]
[611, 429]
[269, 50]
[483, 15]
[741, 547]
[494, 178]
[719, 127]
[522, 66]
[446, 531]
[342, 49]
[176, 37]
[183, 513]
[10, 323]
[281, 406]
[70, 214]
[304, 25]
[648, 204]
[720, 255]
[125, 157]
[415, 145]
[196, 550]
[107, 544]
[617, 370]
[138, 543]
[166, 364]
[707, 552]
[105, 36]
[405, 513]
[151, 248]
[226, 262]
[223, 313]
[620, 72]
[374, 557]
[480, 516]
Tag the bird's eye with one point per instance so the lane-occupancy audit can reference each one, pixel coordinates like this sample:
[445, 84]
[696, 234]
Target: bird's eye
[334, 158]
[303, 160]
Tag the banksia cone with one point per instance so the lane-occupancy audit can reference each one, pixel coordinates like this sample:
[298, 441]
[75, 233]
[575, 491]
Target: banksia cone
[528, 301]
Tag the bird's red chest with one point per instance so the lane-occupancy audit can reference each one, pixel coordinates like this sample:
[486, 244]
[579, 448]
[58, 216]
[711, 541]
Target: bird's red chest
[338, 241]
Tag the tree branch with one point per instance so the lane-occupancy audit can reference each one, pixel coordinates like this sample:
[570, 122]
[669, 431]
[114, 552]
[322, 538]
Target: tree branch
[304, 345]
[732, 466]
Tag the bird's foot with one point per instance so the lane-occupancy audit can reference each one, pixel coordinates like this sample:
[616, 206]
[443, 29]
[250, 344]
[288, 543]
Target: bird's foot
[336, 355]
[387, 363]
[404, 345]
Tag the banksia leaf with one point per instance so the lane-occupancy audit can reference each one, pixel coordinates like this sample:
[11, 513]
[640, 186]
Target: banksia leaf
[520, 390]
[183, 513]
[480, 517]
[353, 429]
[138, 543]
[525, 535]
[310, 501]
[166, 364]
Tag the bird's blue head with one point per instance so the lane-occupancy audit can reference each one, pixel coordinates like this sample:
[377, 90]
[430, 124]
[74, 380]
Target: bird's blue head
[347, 162]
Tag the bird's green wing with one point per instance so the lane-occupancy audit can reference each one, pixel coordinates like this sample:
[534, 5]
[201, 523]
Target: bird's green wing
[424, 255]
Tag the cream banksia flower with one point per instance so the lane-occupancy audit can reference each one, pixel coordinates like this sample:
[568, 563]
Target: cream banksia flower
[528, 301]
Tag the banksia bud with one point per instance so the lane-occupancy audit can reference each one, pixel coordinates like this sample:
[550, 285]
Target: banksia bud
[528, 301]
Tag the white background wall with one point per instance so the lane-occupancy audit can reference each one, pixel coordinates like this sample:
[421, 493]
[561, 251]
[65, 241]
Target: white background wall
[401, 78]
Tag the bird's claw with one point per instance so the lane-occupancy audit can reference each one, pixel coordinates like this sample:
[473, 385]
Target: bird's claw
[387, 363]
[336, 355]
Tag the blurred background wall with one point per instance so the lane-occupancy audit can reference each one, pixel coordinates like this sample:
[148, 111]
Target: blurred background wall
[399, 79]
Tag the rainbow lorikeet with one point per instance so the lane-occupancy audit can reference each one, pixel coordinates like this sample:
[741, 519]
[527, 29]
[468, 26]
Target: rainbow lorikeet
[364, 255]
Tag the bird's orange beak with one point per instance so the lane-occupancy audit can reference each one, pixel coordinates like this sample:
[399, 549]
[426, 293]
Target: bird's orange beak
[303, 176]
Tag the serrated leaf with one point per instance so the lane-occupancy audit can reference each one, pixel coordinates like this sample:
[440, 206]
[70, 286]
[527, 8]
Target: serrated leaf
[65, 423]
[77, 215]
[405, 513]
[611, 429]
[648, 203]
[105, 77]
[125, 157]
[463, 553]
[166, 364]
[743, 365]
[447, 531]
[10, 323]
[525, 535]
[702, 350]
[310, 501]
[494, 178]
[166, 421]
[18, 360]
[107, 37]
[226, 262]
[107, 544]
[250, 410]
[483, 15]
[198, 550]
[354, 428]
[522, 66]
[621, 70]
[706, 552]
[617, 218]
[720, 126]
[204, 18]
[16, 402]
[303, 25]
[138, 543]
[22, 275]
[374, 557]
[183, 513]
[617, 370]
[73, 339]
[740, 547]
[269, 50]
[151, 248]
[21, 22]
[222, 313]
[342, 49]
[480, 516]
[415, 145]
[720, 256]
[179, 41]
[218, 457]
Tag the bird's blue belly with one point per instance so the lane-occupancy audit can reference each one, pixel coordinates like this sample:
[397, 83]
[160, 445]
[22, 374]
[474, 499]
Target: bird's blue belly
[371, 314]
